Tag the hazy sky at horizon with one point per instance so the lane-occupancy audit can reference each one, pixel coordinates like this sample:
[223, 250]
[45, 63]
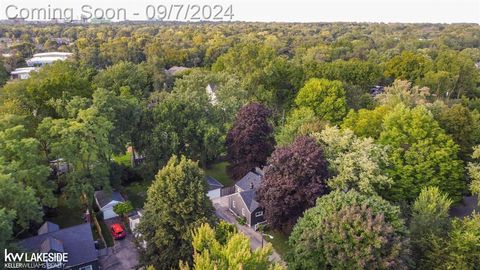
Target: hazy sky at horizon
[414, 11]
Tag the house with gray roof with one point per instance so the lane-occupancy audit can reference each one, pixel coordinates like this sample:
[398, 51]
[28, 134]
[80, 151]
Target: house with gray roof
[76, 241]
[243, 204]
[106, 201]
[213, 187]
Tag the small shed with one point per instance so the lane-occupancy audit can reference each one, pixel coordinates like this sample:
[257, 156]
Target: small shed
[106, 201]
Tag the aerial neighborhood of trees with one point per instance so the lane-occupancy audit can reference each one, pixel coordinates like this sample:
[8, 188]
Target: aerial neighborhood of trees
[349, 145]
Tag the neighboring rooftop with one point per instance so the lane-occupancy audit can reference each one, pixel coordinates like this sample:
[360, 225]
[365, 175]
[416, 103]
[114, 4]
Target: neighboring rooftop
[23, 70]
[175, 70]
[212, 183]
[248, 196]
[250, 181]
[48, 227]
[103, 197]
[77, 241]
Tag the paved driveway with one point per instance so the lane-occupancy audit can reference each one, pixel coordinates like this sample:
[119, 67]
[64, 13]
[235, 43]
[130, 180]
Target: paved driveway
[123, 255]
[222, 211]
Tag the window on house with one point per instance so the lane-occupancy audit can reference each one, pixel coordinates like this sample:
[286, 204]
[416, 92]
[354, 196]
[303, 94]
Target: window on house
[233, 204]
[243, 211]
[259, 214]
[88, 267]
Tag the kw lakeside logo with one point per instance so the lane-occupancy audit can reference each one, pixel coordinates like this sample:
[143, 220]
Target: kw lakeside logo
[39, 260]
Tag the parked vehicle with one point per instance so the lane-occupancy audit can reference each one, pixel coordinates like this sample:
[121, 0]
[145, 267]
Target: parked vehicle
[118, 231]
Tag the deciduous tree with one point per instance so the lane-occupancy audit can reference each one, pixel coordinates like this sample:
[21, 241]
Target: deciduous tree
[250, 141]
[350, 231]
[294, 178]
[421, 155]
[354, 163]
[176, 204]
[235, 253]
[326, 98]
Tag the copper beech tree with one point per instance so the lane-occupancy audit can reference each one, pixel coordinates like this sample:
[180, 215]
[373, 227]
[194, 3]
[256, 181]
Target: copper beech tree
[294, 179]
[250, 141]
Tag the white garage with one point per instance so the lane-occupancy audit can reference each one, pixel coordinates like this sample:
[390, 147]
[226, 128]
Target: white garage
[213, 187]
[106, 201]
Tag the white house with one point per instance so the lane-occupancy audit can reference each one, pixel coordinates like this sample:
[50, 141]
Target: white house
[106, 201]
[41, 59]
[22, 73]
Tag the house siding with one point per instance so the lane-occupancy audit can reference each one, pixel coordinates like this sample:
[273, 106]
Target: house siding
[239, 204]
[254, 219]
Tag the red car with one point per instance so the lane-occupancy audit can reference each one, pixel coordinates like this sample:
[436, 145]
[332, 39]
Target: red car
[118, 231]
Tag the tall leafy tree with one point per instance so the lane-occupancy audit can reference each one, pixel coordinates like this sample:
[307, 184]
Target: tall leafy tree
[429, 221]
[460, 249]
[294, 179]
[354, 163]
[180, 123]
[83, 143]
[300, 122]
[235, 253]
[124, 74]
[176, 204]
[19, 203]
[421, 155]
[408, 66]
[474, 172]
[460, 123]
[6, 226]
[21, 157]
[350, 231]
[366, 123]
[123, 111]
[326, 98]
[250, 141]
[58, 81]
[227, 96]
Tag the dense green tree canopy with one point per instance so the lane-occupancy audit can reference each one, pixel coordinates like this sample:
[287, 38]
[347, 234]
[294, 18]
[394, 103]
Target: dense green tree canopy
[176, 204]
[354, 163]
[421, 155]
[210, 253]
[326, 98]
[350, 231]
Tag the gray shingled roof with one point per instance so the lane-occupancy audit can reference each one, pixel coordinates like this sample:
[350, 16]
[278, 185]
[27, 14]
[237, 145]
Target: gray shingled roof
[48, 227]
[250, 178]
[103, 198]
[248, 197]
[212, 183]
[51, 244]
[77, 242]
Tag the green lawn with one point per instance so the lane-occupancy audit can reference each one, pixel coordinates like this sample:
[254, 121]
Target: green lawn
[219, 172]
[279, 242]
[67, 214]
[136, 192]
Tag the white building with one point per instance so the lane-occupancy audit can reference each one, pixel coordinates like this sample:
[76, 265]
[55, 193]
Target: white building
[106, 201]
[41, 59]
[22, 73]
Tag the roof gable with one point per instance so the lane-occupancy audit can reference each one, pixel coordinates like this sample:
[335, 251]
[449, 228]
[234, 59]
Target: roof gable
[77, 241]
[248, 197]
[250, 181]
[48, 227]
[103, 198]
